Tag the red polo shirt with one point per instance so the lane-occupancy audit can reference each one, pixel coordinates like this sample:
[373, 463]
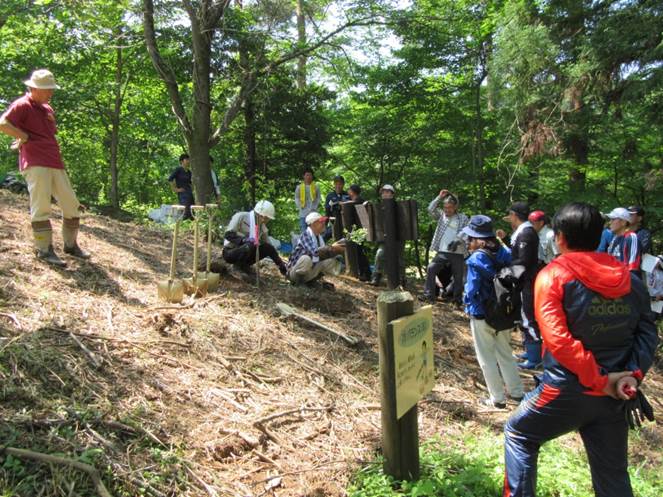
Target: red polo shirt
[38, 121]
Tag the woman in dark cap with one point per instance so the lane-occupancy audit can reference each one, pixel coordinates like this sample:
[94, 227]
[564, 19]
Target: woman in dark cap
[492, 348]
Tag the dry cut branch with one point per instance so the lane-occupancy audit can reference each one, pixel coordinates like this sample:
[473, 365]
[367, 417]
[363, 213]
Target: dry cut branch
[49, 459]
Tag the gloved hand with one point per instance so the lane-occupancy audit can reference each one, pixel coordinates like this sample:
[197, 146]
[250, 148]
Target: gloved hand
[637, 409]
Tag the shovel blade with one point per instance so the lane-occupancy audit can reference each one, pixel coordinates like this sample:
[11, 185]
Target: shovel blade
[212, 280]
[171, 290]
[197, 288]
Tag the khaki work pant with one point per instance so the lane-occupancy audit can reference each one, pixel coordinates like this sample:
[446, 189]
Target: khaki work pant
[304, 270]
[44, 182]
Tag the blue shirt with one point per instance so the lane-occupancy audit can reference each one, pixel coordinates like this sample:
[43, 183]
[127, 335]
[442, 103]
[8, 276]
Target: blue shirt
[479, 283]
[606, 238]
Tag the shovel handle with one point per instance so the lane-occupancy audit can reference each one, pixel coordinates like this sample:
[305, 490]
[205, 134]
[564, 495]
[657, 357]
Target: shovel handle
[209, 236]
[195, 209]
[173, 253]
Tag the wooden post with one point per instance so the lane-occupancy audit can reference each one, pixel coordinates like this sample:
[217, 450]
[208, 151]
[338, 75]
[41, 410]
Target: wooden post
[391, 248]
[400, 437]
[351, 255]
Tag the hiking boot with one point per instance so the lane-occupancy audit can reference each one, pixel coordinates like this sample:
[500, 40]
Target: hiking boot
[76, 251]
[426, 299]
[49, 256]
[529, 365]
[491, 404]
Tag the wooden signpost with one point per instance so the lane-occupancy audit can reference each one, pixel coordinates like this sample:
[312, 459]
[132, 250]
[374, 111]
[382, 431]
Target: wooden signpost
[405, 341]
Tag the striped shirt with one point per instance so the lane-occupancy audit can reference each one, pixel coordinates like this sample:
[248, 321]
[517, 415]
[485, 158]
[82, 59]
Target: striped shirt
[625, 248]
[308, 244]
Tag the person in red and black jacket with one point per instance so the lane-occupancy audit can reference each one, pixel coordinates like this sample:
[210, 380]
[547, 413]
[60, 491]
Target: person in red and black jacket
[599, 341]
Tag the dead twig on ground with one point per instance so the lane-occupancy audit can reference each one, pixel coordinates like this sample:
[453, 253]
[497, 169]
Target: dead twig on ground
[300, 410]
[13, 319]
[49, 459]
[90, 355]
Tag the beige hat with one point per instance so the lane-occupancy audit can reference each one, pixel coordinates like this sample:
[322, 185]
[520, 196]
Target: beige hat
[42, 79]
[315, 217]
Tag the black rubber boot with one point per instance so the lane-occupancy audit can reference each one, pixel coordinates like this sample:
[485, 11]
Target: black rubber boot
[49, 256]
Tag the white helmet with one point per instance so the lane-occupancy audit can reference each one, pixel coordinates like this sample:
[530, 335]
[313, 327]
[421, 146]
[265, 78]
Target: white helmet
[265, 208]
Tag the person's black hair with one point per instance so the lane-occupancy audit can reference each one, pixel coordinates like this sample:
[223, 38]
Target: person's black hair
[490, 243]
[184, 156]
[581, 224]
[308, 170]
[355, 188]
[339, 178]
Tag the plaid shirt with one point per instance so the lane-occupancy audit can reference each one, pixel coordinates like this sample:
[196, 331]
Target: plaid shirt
[308, 244]
[443, 223]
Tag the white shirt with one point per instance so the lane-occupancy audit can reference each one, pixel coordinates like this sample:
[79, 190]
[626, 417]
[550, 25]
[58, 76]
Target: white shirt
[547, 246]
[449, 234]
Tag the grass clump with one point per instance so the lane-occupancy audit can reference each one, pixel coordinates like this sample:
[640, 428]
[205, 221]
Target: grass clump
[472, 465]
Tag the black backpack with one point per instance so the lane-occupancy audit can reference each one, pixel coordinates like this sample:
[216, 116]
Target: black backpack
[502, 309]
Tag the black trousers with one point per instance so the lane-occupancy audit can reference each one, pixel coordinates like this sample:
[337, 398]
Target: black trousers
[186, 199]
[245, 255]
[442, 260]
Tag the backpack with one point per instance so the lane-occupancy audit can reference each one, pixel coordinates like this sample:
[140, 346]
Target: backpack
[502, 309]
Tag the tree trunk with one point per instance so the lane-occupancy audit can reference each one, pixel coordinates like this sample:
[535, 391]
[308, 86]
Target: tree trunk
[250, 144]
[115, 130]
[301, 38]
[199, 142]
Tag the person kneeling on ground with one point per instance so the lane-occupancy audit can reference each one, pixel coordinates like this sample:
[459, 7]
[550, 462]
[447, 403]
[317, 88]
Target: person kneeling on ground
[311, 258]
[493, 350]
[599, 341]
[246, 233]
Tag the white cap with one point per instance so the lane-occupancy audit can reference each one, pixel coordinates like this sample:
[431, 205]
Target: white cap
[620, 213]
[313, 217]
[42, 79]
[265, 208]
[388, 187]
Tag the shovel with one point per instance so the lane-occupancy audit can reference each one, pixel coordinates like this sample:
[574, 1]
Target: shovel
[196, 285]
[212, 278]
[172, 290]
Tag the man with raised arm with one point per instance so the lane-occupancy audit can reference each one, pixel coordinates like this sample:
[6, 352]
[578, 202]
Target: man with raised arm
[449, 247]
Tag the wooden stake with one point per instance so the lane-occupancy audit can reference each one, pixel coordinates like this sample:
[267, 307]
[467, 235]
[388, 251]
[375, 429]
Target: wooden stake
[400, 437]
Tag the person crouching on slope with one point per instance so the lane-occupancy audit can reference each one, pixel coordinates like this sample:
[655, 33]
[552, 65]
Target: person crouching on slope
[247, 233]
[599, 341]
[492, 348]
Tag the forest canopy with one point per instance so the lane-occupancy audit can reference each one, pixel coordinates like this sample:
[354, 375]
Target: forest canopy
[535, 100]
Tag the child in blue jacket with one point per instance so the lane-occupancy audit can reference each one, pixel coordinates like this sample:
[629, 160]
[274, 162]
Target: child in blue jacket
[492, 348]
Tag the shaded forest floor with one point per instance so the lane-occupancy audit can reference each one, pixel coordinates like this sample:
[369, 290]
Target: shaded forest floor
[218, 396]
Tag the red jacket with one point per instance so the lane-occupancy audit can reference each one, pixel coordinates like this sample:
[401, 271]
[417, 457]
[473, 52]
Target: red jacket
[595, 319]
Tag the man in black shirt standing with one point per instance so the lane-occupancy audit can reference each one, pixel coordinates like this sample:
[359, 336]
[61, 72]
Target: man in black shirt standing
[180, 183]
[525, 253]
[333, 204]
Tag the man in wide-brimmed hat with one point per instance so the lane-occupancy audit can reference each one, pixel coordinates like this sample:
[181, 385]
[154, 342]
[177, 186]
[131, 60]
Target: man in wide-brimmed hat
[31, 121]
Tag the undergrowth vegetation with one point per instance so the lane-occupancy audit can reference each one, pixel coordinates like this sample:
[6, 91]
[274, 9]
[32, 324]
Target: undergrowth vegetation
[472, 465]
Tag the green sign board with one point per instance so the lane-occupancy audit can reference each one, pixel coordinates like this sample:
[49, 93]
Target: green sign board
[413, 358]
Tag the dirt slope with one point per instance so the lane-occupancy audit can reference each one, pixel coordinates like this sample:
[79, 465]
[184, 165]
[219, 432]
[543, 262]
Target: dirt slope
[217, 397]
